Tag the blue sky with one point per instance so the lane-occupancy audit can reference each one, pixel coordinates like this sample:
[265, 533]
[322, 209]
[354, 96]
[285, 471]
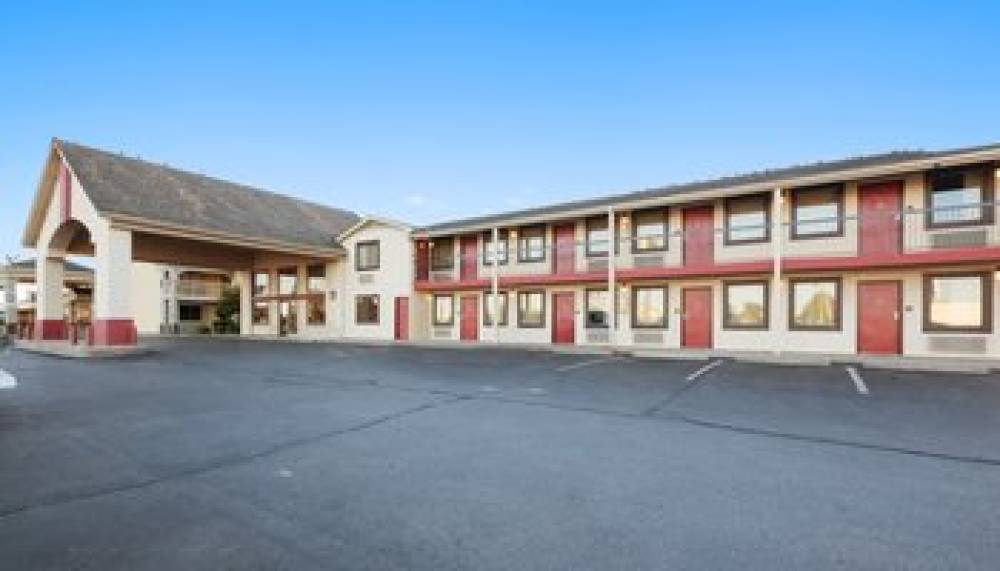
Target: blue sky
[431, 110]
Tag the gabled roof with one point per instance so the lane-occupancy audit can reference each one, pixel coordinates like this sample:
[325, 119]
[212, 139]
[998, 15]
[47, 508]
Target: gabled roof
[781, 177]
[126, 187]
[368, 219]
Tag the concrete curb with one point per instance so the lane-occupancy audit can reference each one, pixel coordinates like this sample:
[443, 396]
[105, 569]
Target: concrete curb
[66, 351]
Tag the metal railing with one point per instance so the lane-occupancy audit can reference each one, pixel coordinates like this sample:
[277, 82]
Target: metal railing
[201, 289]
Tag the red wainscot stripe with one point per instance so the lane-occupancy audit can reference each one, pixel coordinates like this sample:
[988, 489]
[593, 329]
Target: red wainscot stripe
[553, 279]
[50, 329]
[704, 270]
[452, 285]
[943, 256]
[113, 332]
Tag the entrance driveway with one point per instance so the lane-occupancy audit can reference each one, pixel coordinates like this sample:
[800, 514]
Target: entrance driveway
[242, 454]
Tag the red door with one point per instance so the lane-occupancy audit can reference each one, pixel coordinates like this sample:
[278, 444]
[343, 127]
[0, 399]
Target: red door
[881, 222]
[469, 330]
[470, 259]
[564, 257]
[699, 236]
[401, 324]
[563, 321]
[879, 317]
[696, 318]
[423, 260]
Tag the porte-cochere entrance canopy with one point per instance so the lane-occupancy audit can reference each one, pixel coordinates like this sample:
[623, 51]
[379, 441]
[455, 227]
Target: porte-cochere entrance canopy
[120, 209]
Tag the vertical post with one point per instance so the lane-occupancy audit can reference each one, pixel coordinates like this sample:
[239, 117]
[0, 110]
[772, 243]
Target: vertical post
[612, 293]
[495, 305]
[777, 242]
[112, 323]
[244, 279]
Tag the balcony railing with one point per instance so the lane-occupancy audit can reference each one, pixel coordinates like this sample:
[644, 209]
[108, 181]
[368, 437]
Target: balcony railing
[198, 289]
[894, 235]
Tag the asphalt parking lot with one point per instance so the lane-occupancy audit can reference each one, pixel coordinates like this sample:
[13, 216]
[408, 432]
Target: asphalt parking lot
[228, 454]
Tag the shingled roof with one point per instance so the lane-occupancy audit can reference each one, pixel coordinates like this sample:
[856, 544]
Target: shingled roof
[764, 178]
[117, 184]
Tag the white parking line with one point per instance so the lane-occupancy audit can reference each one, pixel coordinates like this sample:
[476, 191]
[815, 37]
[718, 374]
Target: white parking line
[859, 383]
[693, 376]
[7, 381]
[582, 364]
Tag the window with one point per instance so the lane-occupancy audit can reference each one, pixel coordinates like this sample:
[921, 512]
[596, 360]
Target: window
[957, 197]
[531, 244]
[260, 283]
[818, 212]
[502, 248]
[745, 305]
[188, 312]
[488, 308]
[366, 256]
[288, 281]
[443, 254]
[315, 311]
[444, 310]
[531, 309]
[958, 302]
[366, 310]
[316, 282]
[598, 308]
[649, 231]
[815, 305]
[261, 313]
[598, 237]
[649, 307]
[748, 219]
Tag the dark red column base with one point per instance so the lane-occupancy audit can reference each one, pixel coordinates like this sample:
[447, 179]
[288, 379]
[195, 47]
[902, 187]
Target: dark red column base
[112, 332]
[50, 329]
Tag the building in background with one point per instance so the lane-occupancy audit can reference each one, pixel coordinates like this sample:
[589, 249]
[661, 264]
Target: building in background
[19, 294]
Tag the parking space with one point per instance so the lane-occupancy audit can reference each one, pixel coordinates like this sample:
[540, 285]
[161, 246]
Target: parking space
[263, 455]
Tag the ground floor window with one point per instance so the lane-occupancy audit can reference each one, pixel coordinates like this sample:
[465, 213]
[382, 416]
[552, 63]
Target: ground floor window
[366, 309]
[815, 304]
[649, 306]
[598, 308]
[745, 305]
[189, 312]
[261, 313]
[316, 310]
[500, 304]
[531, 309]
[444, 310]
[958, 303]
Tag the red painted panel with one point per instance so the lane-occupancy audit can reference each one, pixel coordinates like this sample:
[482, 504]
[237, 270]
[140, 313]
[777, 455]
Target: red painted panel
[469, 257]
[469, 330]
[879, 317]
[423, 253]
[50, 329]
[881, 223]
[563, 318]
[699, 236]
[564, 256]
[113, 332]
[696, 318]
[401, 324]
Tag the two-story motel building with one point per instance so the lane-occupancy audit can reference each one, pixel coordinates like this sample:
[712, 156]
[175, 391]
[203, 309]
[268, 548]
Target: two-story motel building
[895, 253]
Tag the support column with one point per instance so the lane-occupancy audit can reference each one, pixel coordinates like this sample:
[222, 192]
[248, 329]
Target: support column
[612, 290]
[50, 314]
[495, 269]
[243, 281]
[778, 297]
[113, 323]
[8, 301]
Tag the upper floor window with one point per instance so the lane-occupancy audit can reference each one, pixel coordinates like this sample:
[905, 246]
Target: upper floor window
[815, 304]
[960, 197]
[260, 283]
[958, 303]
[501, 248]
[649, 231]
[288, 281]
[366, 255]
[531, 244]
[443, 254]
[598, 236]
[748, 219]
[818, 212]
[316, 274]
